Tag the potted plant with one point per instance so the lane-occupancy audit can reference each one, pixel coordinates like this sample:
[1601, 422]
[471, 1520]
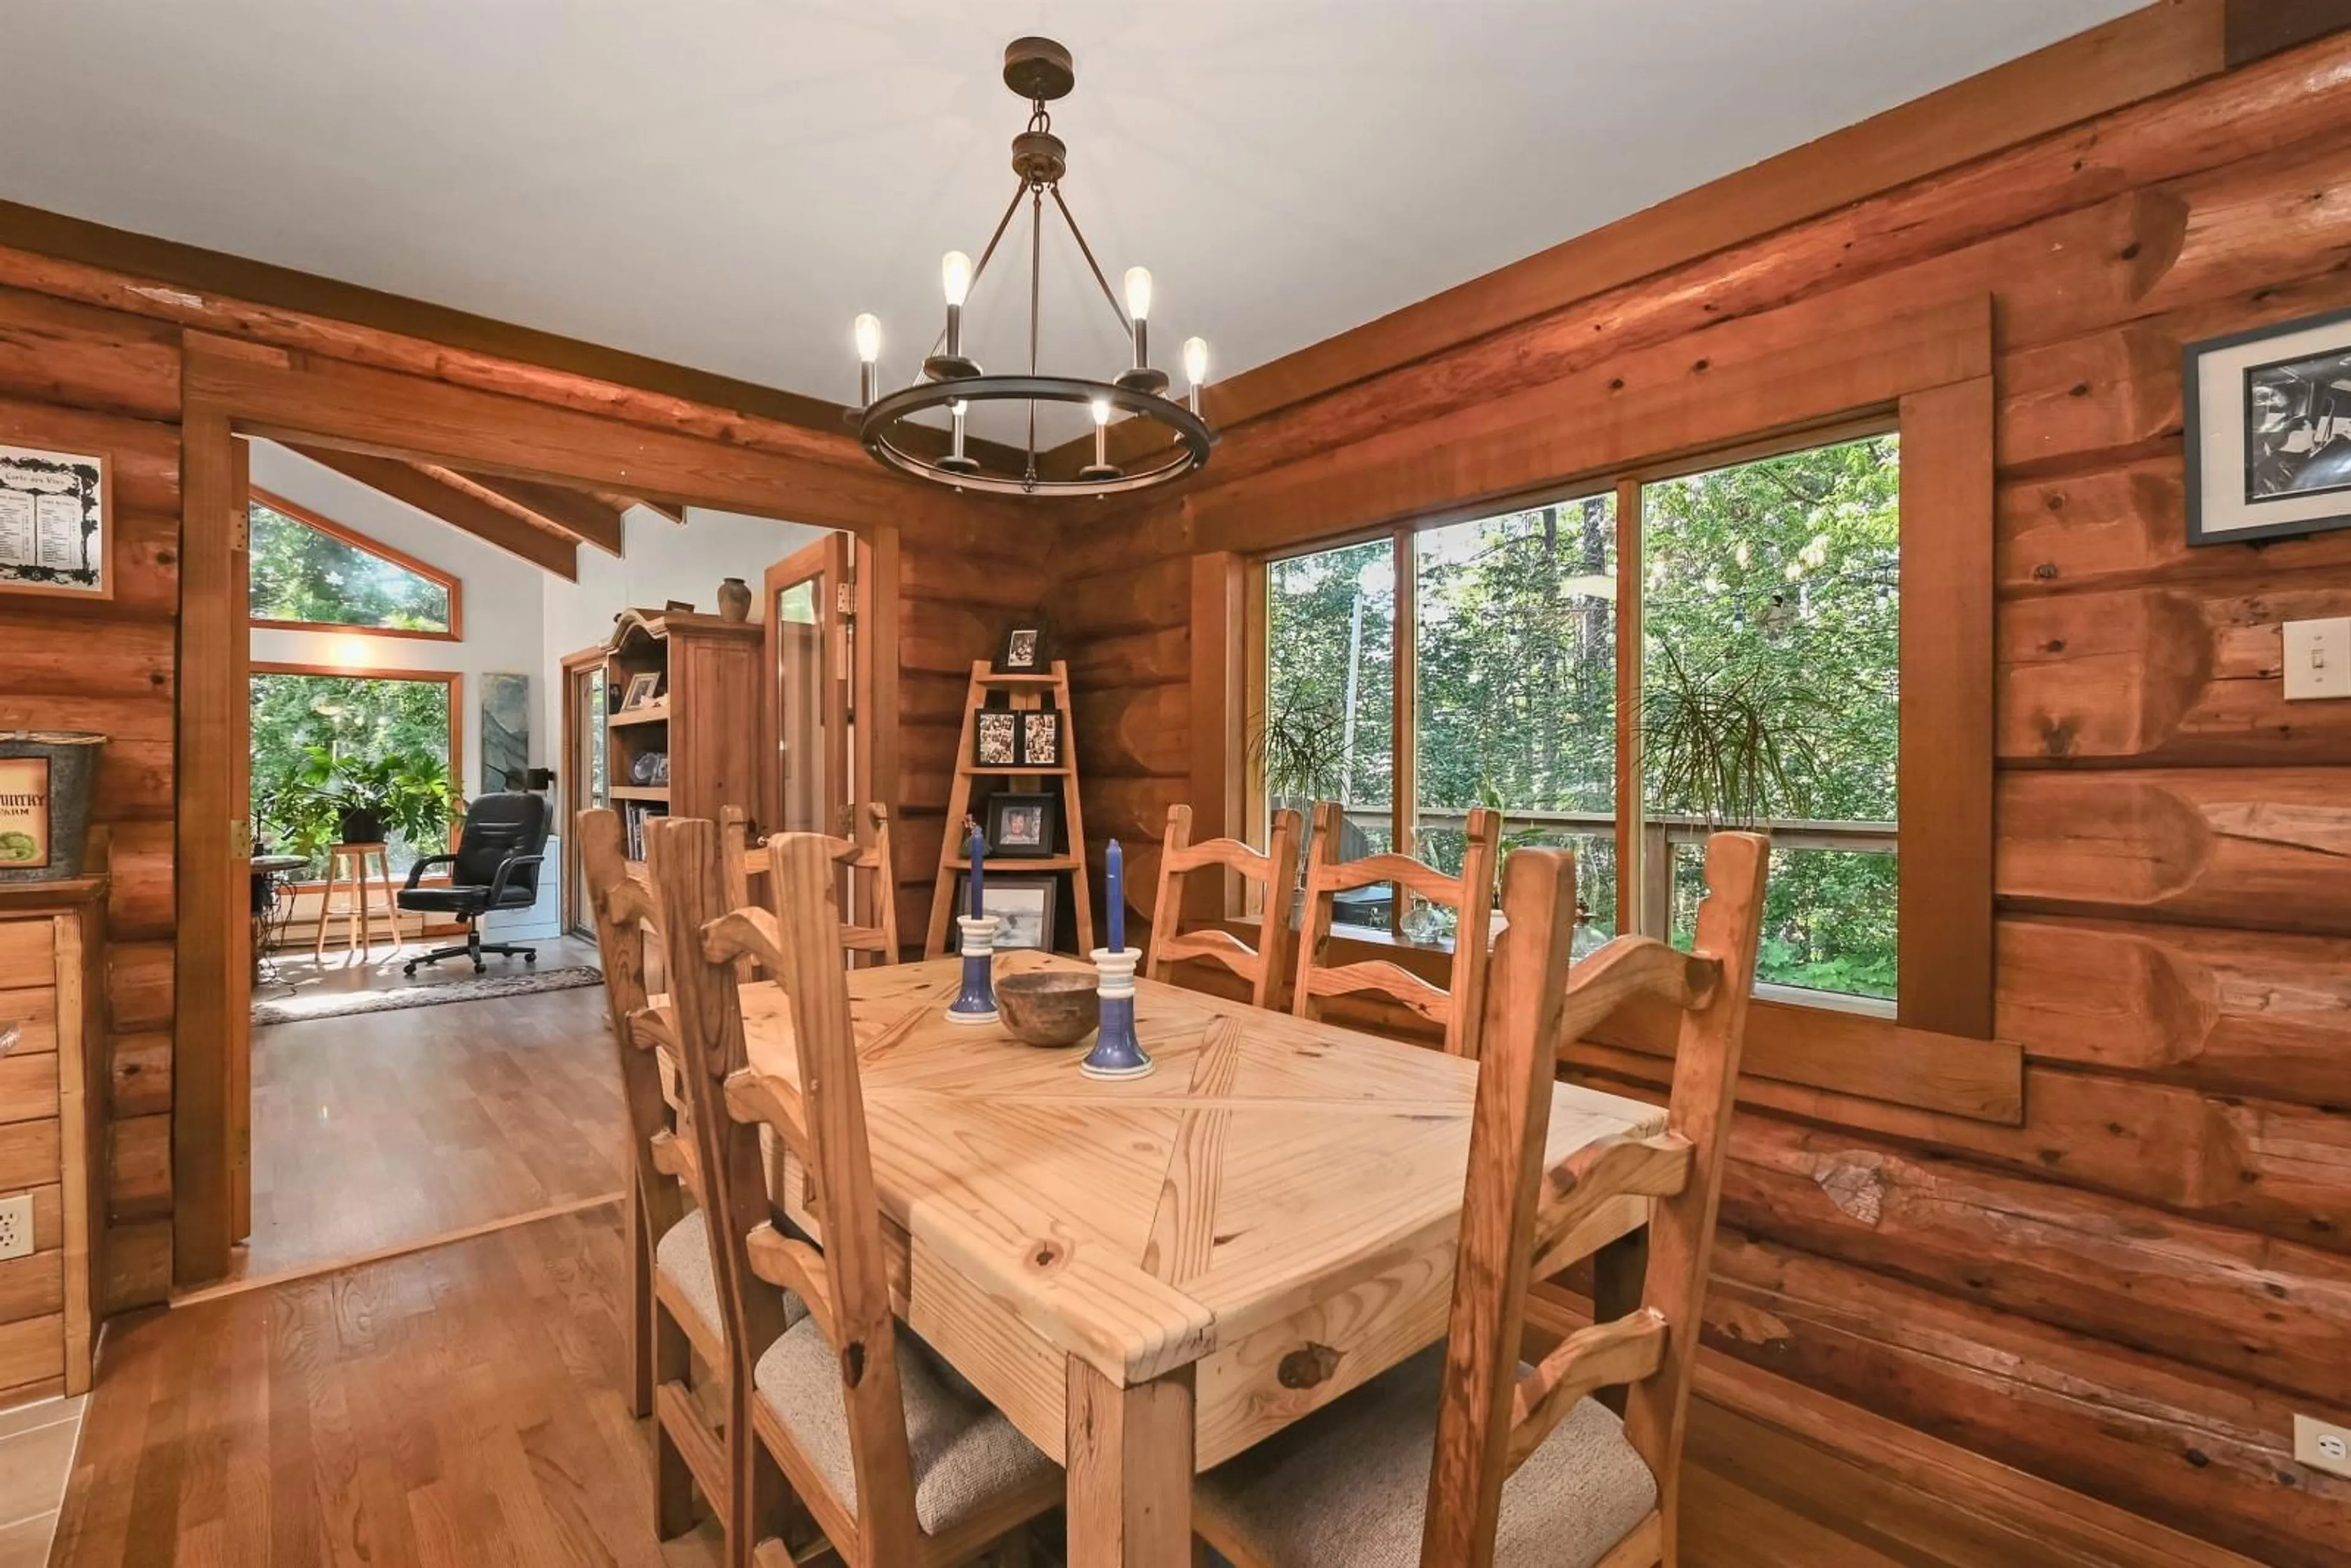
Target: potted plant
[330, 799]
[1732, 744]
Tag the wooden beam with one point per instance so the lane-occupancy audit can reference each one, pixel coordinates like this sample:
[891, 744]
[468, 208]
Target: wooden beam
[217, 271]
[2260, 28]
[589, 519]
[675, 514]
[491, 524]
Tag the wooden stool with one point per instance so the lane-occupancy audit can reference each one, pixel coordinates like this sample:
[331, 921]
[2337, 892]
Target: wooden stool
[358, 921]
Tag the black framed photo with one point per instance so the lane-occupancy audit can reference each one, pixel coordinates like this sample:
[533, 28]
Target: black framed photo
[2268, 432]
[1024, 651]
[996, 737]
[1041, 738]
[1022, 826]
[1023, 907]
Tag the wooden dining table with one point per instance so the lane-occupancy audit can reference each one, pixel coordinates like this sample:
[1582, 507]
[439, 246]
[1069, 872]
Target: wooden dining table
[1148, 1276]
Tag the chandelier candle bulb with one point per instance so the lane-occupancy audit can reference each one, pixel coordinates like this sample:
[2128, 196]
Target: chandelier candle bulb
[867, 330]
[1196, 370]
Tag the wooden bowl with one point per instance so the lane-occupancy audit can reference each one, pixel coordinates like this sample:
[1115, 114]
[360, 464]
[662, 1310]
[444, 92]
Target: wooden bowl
[1047, 1007]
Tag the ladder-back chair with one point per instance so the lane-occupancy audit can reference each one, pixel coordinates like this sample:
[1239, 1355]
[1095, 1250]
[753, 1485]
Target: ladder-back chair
[1412, 1468]
[871, 859]
[1457, 1006]
[1265, 967]
[900, 1463]
[676, 1304]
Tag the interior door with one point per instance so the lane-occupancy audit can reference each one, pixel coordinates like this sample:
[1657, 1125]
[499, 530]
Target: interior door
[812, 660]
[241, 956]
[584, 783]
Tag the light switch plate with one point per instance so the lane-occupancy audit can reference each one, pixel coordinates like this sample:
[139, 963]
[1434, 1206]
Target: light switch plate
[2322, 1445]
[2317, 659]
[16, 1226]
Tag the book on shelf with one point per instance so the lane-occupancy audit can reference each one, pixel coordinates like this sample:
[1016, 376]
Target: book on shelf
[634, 814]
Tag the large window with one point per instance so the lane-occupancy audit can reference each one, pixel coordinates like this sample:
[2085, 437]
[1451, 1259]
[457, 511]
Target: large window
[1753, 682]
[309, 572]
[326, 741]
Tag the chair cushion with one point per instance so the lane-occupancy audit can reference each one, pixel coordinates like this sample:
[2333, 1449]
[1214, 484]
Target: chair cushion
[445, 900]
[682, 1256]
[966, 1454]
[1348, 1486]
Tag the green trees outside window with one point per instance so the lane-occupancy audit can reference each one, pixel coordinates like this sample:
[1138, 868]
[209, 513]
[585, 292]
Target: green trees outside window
[322, 743]
[1769, 680]
[306, 574]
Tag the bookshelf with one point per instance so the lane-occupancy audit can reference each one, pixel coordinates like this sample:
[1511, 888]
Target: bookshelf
[705, 717]
[1023, 693]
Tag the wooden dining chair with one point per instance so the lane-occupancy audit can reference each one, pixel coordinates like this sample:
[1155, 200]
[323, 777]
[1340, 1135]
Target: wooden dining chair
[1265, 967]
[1462, 1457]
[676, 1303]
[871, 859]
[1457, 1006]
[897, 1459]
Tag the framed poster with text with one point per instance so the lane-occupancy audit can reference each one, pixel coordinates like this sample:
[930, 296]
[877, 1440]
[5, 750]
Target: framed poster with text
[57, 524]
[24, 812]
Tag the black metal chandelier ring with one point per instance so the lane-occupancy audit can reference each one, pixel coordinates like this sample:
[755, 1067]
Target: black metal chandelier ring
[1040, 71]
[882, 418]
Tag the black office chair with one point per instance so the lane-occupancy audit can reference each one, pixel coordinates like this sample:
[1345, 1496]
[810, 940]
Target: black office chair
[495, 867]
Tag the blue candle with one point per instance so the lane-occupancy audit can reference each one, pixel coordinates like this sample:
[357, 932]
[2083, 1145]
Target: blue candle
[979, 844]
[1115, 863]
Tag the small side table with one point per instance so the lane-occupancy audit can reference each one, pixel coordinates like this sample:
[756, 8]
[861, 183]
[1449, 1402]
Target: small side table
[347, 865]
[270, 909]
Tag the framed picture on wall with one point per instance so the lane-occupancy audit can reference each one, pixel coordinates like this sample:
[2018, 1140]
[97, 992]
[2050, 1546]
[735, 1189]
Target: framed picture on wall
[2268, 432]
[57, 523]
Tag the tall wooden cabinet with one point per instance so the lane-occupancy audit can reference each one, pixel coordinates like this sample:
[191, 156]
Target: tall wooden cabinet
[705, 720]
[52, 1055]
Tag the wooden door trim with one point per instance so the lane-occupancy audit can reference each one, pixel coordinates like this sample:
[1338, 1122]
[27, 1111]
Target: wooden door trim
[232, 390]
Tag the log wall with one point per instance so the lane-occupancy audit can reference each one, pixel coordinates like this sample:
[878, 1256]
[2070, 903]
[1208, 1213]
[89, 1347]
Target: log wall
[93, 359]
[2131, 1292]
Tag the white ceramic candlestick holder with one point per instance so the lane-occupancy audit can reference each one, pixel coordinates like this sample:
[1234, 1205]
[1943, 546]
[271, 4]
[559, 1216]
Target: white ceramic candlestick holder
[1116, 1052]
[975, 1002]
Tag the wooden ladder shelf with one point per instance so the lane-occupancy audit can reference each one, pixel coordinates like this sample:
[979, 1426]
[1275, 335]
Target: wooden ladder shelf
[1028, 693]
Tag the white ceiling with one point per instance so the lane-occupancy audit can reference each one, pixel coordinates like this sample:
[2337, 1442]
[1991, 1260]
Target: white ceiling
[725, 182]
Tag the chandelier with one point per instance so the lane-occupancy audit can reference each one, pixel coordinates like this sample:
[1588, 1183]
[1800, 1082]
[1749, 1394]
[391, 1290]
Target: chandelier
[1040, 71]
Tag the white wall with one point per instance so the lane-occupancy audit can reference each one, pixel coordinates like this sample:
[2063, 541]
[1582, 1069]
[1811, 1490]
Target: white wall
[518, 617]
[502, 616]
[662, 561]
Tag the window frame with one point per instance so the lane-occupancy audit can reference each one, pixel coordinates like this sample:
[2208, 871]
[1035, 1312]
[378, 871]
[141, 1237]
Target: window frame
[454, 680]
[1792, 379]
[346, 534]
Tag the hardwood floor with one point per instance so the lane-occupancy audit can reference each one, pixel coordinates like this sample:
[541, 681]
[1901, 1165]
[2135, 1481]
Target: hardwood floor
[459, 1406]
[462, 1405]
[386, 1129]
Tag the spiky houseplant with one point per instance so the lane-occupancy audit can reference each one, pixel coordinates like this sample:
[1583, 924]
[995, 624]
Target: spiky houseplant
[1732, 743]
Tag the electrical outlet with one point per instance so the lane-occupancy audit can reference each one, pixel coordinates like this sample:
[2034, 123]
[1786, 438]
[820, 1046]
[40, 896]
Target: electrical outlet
[16, 1226]
[2322, 1445]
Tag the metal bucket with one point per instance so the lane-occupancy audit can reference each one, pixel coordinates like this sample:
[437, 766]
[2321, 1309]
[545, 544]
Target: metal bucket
[46, 780]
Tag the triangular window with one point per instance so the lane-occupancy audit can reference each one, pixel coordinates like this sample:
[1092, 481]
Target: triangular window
[308, 572]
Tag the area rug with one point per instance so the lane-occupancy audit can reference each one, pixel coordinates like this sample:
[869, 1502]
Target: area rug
[481, 988]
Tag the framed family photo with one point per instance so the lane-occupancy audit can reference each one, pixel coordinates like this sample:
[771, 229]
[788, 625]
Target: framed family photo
[1024, 651]
[1022, 826]
[1023, 907]
[996, 737]
[2267, 416]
